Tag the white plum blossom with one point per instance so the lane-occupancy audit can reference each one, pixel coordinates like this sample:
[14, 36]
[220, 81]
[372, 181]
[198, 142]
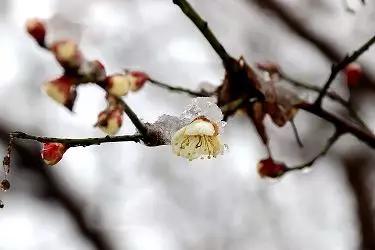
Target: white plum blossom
[195, 133]
[200, 138]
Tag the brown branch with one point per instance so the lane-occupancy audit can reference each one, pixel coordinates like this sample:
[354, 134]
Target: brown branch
[340, 124]
[330, 94]
[357, 171]
[296, 25]
[331, 141]
[336, 68]
[179, 89]
[206, 31]
[82, 142]
[30, 160]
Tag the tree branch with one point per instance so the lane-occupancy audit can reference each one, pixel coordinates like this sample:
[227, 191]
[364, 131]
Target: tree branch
[299, 28]
[206, 31]
[322, 153]
[84, 142]
[336, 68]
[30, 160]
[340, 124]
[332, 95]
[179, 89]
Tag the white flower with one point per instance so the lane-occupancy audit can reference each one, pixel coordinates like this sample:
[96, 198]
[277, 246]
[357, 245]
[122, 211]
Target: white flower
[200, 138]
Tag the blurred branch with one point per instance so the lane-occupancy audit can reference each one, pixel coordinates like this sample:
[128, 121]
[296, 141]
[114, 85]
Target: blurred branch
[357, 171]
[295, 24]
[30, 160]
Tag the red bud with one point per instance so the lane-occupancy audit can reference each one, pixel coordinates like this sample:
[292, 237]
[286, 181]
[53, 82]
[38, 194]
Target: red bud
[271, 169]
[138, 79]
[37, 29]
[52, 152]
[353, 74]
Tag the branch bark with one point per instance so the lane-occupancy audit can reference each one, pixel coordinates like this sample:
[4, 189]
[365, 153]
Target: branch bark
[30, 160]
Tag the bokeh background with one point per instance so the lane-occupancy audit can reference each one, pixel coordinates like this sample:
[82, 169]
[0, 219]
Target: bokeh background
[127, 196]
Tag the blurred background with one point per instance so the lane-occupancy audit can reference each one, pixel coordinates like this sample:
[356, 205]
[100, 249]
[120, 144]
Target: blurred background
[127, 196]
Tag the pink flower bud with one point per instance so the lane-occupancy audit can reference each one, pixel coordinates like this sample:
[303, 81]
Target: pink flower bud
[37, 29]
[62, 90]
[110, 120]
[117, 85]
[137, 80]
[353, 73]
[52, 152]
[271, 169]
[67, 53]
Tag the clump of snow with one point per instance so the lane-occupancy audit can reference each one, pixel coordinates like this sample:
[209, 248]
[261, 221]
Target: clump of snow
[167, 125]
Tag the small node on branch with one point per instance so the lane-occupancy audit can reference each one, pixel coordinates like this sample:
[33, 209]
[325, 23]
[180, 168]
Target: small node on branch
[4, 185]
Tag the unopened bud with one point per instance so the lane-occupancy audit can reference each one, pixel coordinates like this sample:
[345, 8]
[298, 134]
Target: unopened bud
[353, 74]
[137, 80]
[67, 53]
[271, 169]
[52, 152]
[110, 120]
[62, 90]
[37, 29]
[117, 85]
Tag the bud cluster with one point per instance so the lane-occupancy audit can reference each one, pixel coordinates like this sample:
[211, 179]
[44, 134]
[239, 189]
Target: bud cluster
[78, 70]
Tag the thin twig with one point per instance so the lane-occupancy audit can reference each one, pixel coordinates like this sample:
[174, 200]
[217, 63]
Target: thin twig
[135, 120]
[347, 127]
[296, 134]
[336, 68]
[81, 142]
[179, 89]
[323, 152]
[344, 126]
[330, 94]
[296, 24]
[29, 159]
[205, 29]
